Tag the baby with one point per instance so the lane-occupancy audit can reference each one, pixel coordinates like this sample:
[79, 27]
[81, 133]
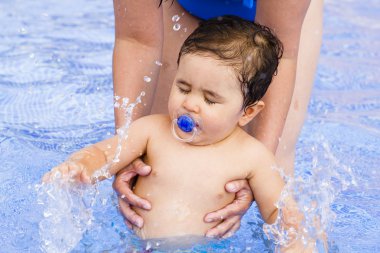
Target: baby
[224, 69]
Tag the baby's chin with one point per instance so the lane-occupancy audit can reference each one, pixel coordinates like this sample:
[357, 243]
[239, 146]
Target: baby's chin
[200, 141]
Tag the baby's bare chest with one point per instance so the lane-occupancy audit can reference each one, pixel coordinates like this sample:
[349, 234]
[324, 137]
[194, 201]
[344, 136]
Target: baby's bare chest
[205, 169]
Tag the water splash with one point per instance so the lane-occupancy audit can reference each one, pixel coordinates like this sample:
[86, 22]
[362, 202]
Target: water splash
[122, 133]
[67, 205]
[67, 214]
[176, 18]
[147, 79]
[314, 193]
[176, 26]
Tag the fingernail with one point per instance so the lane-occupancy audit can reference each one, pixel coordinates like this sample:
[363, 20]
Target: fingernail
[210, 235]
[231, 187]
[146, 206]
[139, 223]
[209, 220]
[228, 235]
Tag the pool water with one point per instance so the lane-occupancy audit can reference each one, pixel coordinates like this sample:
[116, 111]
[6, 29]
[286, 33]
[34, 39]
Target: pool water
[56, 97]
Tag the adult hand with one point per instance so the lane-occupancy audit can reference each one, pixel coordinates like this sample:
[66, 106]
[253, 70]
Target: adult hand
[232, 213]
[123, 186]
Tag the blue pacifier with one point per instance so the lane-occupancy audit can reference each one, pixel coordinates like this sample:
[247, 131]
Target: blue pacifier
[186, 124]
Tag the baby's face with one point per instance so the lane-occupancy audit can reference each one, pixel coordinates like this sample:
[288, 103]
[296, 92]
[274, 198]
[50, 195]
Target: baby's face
[210, 93]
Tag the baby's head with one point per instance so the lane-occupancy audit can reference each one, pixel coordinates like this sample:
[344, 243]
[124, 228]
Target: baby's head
[224, 68]
[249, 48]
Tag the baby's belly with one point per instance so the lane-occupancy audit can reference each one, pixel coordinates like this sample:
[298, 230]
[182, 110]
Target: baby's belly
[178, 210]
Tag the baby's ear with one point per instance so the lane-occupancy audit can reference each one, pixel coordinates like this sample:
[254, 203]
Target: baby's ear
[250, 112]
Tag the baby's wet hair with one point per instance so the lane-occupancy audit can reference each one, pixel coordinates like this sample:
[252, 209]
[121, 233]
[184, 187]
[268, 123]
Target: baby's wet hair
[250, 48]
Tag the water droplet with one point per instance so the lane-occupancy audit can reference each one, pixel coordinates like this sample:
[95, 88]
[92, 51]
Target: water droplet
[142, 93]
[125, 102]
[47, 213]
[158, 63]
[176, 27]
[22, 30]
[175, 18]
[147, 79]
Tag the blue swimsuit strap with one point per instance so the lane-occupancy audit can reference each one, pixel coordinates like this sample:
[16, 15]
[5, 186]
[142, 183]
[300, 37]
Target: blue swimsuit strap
[206, 9]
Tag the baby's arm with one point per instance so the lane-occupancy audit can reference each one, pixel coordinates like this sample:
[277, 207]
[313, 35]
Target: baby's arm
[266, 184]
[81, 165]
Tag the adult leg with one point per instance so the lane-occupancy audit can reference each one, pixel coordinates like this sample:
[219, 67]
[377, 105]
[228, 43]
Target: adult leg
[310, 43]
[173, 40]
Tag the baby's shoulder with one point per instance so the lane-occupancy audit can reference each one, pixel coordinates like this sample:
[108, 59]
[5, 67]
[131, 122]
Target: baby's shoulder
[255, 152]
[151, 125]
[152, 121]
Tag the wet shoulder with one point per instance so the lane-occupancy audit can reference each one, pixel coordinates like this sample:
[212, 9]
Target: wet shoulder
[155, 123]
[256, 153]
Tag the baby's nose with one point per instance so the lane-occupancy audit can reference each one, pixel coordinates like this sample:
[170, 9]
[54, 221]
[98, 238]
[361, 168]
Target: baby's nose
[191, 104]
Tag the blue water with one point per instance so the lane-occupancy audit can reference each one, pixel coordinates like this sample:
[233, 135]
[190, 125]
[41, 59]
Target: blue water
[56, 96]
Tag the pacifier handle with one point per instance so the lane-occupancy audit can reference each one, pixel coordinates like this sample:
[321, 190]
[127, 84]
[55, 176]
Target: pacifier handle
[186, 124]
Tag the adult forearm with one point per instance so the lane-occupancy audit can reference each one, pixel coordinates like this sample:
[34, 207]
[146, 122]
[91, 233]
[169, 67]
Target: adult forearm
[285, 18]
[268, 125]
[135, 70]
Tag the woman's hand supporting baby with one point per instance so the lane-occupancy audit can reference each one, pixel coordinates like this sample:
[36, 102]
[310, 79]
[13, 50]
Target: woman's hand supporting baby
[230, 214]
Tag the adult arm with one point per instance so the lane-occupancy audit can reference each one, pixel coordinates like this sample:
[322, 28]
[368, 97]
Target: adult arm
[138, 45]
[285, 18]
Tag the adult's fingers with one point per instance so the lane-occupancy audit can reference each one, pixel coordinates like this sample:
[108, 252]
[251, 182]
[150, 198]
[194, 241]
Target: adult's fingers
[122, 183]
[141, 168]
[225, 228]
[232, 230]
[129, 214]
[234, 209]
[128, 224]
[238, 185]
[243, 191]
[137, 167]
